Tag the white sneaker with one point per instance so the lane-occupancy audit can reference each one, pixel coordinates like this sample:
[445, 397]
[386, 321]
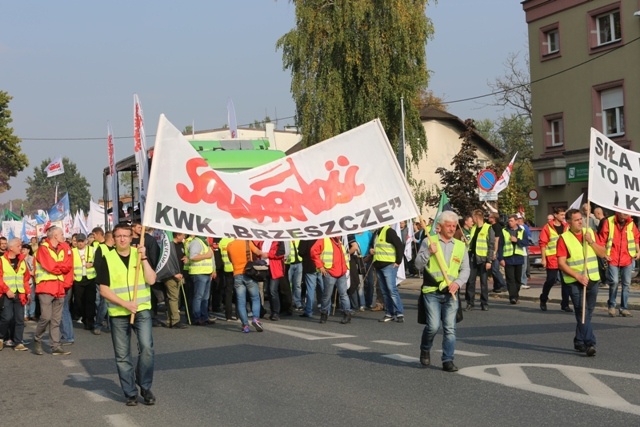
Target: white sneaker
[525, 287]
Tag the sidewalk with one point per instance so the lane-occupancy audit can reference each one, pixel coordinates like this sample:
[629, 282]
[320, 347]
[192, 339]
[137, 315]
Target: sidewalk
[536, 281]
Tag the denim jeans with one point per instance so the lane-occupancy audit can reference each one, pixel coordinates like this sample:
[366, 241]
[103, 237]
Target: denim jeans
[498, 281]
[525, 266]
[624, 274]
[554, 276]
[30, 309]
[311, 281]
[242, 285]
[584, 333]
[201, 289]
[329, 283]
[274, 296]
[13, 311]
[369, 283]
[101, 308]
[440, 307]
[66, 326]
[392, 301]
[121, 337]
[295, 278]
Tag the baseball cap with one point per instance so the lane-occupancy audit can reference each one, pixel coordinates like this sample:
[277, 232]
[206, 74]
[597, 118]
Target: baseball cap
[80, 237]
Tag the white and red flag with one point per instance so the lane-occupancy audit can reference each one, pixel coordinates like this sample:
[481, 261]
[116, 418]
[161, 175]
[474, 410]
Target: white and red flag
[140, 149]
[55, 168]
[113, 173]
[503, 181]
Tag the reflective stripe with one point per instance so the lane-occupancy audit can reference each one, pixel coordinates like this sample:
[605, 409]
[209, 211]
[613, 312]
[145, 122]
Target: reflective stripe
[204, 266]
[293, 252]
[453, 269]
[631, 241]
[482, 245]
[222, 244]
[552, 247]
[14, 279]
[327, 254]
[384, 251]
[575, 260]
[77, 264]
[121, 282]
[43, 275]
[508, 249]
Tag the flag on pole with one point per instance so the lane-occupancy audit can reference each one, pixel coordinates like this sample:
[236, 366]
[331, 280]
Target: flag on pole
[113, 173]
[231, 117]
[140, 149]
[444, 205]
[54, 168]
[577, 203]
[503, 181]
[60, 210]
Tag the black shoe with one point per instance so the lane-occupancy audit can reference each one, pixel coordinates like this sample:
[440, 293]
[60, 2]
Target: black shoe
[346, 318]
[449, 367]
[484, 307]
[512, 301]
[425, 358]
[323, 317]
[543, 306]
[400, 318]
[274, 317]
[306, 315]
[179, 325]
[591, 351]
[149, 398]
[132, 401]
[567, 309]
[469, 307]
[581, 348]
[155, 323]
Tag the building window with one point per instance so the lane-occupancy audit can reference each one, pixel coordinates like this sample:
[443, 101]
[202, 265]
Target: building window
[553, 42]
[612, 107]
[554, 132]
[608, 28]
[550, 41]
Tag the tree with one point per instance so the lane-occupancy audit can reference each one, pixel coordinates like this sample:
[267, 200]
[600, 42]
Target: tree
[460, 183]
[126, 183]
[12, 159]
[352, 60]
[41, 190]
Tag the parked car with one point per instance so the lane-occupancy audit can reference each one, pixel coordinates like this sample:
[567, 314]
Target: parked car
[535, 255]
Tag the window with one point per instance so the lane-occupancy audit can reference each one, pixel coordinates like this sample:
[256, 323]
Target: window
[612, 107]
[554, 132]
[553, 41]
[608, 27]
[550, 41]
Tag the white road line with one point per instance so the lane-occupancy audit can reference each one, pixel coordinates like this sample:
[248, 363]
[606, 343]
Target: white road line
[352, 347]
[307, 334]
[398, 343]
[120, 420]
[401, 358]
[466, 353]
[97, 395]
[68, 363]
[81, 377]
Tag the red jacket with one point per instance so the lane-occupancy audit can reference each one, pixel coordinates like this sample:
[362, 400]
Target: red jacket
[619, 256]
[56, 288]
[545, 238]
[276, 262]
[339, 265]
[25, 280]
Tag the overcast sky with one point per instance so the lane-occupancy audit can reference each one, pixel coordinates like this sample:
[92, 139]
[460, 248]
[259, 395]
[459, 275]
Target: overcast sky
[71, 66]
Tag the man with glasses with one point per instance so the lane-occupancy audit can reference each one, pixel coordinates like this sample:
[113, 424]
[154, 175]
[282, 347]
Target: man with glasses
[118, 280]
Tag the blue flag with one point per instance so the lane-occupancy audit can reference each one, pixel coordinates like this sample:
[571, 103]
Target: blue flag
[60, 209]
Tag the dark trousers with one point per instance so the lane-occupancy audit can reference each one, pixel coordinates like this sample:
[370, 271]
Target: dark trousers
[217, 291]
[514, 280]
[584, 332]
[553, 277]
[84, 296]
[12, 312]
[228, 294]
[470, 292]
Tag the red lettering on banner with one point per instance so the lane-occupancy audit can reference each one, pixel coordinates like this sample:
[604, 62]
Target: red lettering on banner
[316, 196]
[137, 124]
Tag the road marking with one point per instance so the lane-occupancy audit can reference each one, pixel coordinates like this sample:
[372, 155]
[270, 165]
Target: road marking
[69, 363]
[466, 353]
[595, 392]
[81, 377]
[401, 358]
[120, 420]
[352, 347]
[391, 342]
[307, 334]
[97, 395]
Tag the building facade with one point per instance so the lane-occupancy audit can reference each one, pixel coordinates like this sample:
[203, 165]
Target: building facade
[585, 62]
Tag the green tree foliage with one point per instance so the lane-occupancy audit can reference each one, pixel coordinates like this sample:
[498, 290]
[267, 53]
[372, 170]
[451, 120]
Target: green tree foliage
[41, 190]
[460, 183]
[12, 160]
[352, 60]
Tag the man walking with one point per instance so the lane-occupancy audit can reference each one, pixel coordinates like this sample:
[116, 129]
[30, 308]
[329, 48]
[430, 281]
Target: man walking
[481, 245]
[332, 261]
[549, 236]
[201, 269]
[119, 276]
[499, 284]
[84, 285]
[512, 257]
[439, 297]
[387, 254]
[15, 291]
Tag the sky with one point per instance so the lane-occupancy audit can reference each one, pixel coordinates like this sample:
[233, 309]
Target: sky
[71, 66]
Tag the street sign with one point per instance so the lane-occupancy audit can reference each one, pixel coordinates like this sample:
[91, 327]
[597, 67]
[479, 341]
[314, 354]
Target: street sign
[488, 196]
[486, 179]
[533, 195]
[533, 203]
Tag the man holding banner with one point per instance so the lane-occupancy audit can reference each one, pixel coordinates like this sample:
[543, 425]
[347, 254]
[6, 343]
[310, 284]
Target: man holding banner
[577, 253]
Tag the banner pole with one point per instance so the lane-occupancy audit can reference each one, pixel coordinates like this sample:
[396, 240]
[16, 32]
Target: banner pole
[584, 268]
[135, 280]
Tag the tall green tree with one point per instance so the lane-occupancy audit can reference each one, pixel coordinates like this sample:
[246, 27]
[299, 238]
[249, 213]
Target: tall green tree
[41, 190]
[352, 60]
[460, 183]
[12, 159]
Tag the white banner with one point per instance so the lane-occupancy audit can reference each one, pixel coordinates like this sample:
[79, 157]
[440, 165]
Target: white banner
[96, 216]
[346, 184]
[140, 150]
[503, 181]
[54, 168]
[614, 175]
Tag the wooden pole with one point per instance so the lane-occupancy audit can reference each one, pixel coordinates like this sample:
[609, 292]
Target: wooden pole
[584, 270]
[440, 259]
[135, 280]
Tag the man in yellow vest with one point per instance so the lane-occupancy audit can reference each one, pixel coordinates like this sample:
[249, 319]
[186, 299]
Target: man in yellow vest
[511, 256]
[201, 271]
[548, 241]
[84, 285]
[388, 251]
[330, 258]
[118, 280]
[438, 297]
[173, 282]
[581, 274]
[481, 248]
[15, 291]
[227, 279]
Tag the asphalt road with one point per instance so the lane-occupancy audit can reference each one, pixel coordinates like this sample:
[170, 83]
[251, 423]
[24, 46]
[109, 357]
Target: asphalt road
[517, 367]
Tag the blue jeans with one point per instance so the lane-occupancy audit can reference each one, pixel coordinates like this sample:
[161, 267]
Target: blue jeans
[295, 278]
[498, 280]
[327, 293]
[440, 308]
[392, 301]
[584, 333]
[624, 273]
[274, 295]
[66, 325]
[30, 309]
[243, 284]
[121, 337]
[101, 309]
[201, 290]
[311, 281]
